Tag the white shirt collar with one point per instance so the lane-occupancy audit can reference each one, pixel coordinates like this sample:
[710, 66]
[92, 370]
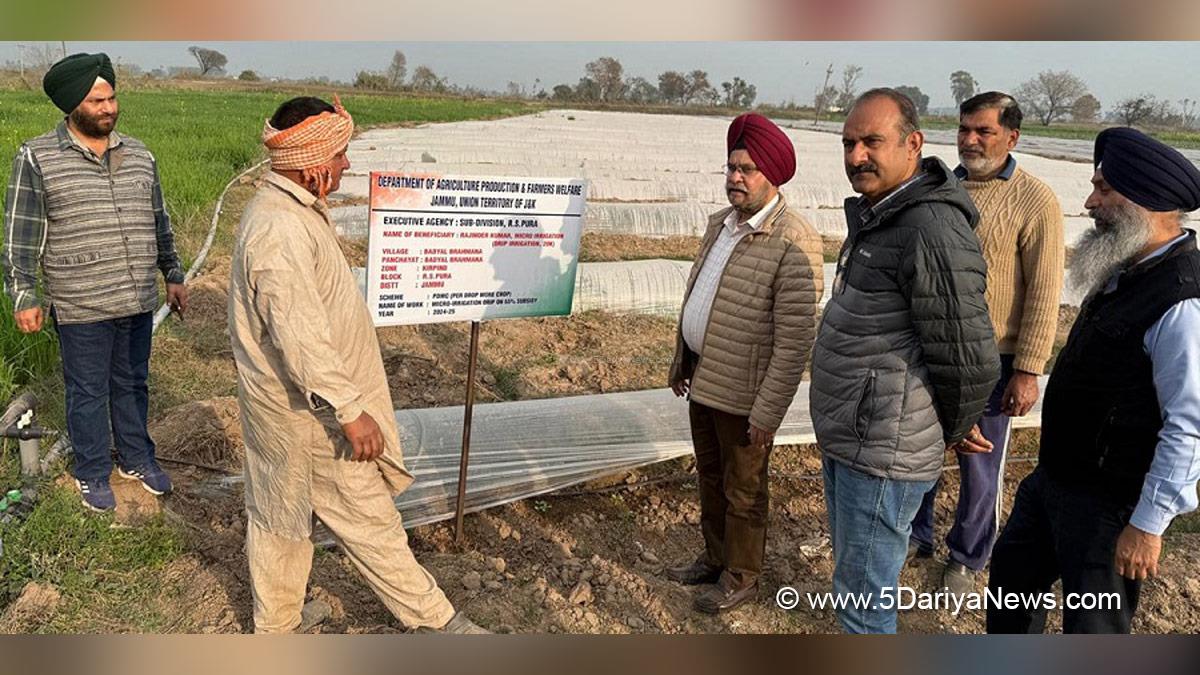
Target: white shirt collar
[756, 220]
[1165, 247]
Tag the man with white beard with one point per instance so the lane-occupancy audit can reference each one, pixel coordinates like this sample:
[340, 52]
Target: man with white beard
[1121, 419]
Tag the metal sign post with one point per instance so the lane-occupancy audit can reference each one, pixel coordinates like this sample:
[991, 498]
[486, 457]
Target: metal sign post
[466, 442]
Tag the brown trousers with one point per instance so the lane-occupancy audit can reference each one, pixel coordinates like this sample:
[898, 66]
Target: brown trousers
[733, 493]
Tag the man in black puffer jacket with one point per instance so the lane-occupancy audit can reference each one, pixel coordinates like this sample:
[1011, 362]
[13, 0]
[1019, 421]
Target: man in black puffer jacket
[905, 358]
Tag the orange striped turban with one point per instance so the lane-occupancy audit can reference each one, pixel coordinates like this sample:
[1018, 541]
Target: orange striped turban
[310, 143]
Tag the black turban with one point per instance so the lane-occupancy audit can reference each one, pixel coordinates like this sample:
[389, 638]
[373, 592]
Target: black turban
[68, 82]
[1148, 172]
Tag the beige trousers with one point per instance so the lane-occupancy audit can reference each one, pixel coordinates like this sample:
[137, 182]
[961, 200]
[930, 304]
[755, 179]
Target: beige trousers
[353, 501]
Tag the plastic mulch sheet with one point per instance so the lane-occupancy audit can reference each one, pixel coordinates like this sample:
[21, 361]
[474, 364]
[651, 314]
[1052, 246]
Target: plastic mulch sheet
[523, 449]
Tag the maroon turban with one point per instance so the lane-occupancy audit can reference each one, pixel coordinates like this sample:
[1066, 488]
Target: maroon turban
[769, 147]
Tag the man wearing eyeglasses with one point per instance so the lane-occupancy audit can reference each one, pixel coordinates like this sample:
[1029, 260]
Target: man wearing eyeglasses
[747, 326]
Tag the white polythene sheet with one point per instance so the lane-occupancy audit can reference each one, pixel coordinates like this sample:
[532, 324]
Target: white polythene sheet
[525, 448]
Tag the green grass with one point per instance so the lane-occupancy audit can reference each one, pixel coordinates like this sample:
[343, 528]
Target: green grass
[82, 555]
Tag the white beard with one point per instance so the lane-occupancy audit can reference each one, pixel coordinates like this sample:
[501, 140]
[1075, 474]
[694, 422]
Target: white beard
[980, 165]
[1120, 232]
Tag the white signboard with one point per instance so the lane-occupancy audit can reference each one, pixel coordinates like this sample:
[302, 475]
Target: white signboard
[459, 248]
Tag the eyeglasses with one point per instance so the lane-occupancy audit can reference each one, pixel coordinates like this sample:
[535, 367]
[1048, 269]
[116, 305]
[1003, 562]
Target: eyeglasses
[747, 170]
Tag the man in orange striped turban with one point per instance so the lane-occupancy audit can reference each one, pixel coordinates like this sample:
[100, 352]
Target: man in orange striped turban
[312, 153]
[317, 415]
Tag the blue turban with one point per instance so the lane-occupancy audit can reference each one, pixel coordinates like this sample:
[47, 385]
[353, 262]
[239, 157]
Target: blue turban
[1148, 172]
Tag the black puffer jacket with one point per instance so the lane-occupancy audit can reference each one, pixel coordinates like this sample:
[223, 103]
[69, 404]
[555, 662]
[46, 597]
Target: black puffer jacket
[905, 357]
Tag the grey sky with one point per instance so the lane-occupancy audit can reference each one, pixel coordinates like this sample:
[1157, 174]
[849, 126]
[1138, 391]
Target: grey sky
[780, 70]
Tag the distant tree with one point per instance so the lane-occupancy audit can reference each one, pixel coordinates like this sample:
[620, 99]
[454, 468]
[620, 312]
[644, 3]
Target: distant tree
[397, 70]
[849, 89]
[1144, 109]
[128, 70]
[1085, 109]
[698, 89]
[672, 86]
[514, 90]
[962, 85]
[1050, 95]
[249, 76]
[739, 94]
[209, 59]
[919, 98]
[607, 73]
[825, 96]
[1187, 114]
[365, 79]
[563, 92]
[639, 90]
[424, 79]
[587, 90]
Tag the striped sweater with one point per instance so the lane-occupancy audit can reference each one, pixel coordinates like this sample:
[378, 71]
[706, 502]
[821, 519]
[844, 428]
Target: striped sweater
[97, 226]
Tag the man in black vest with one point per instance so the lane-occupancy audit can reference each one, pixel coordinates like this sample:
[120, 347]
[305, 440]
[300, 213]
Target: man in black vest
[1121, 418]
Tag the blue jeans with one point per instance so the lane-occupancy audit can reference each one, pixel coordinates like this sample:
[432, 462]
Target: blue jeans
[105, 366]
[981, 488]
[870, 519]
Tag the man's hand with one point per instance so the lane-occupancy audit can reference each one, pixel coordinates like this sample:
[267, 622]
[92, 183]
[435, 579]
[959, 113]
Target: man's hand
[974, 443]
[761, 438]
[365, 437]
[682, 387]
[1137, 553]
[29, 320]
[177, 298]
[1020, 394]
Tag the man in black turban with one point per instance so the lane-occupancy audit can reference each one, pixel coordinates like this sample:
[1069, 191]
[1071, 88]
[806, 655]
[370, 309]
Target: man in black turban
[85, 209]
[68, 82]
[1121, 418]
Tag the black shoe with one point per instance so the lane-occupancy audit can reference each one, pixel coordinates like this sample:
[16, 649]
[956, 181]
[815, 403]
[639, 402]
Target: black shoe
[721, 598]
[691, 574]
[958, 578]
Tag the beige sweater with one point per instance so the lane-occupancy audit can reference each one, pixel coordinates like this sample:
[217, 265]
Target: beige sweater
[1021, 233]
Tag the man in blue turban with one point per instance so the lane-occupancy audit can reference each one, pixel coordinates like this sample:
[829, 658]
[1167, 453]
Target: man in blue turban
[1121, 418]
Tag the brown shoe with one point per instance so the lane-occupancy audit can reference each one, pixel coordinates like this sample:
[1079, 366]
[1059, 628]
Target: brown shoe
[698, 572]
[721, 598]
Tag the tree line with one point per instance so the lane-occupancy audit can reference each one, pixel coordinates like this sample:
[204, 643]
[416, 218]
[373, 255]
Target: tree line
[1047, 98]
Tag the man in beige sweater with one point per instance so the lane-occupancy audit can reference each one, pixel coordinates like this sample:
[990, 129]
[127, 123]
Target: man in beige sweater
[1021, 234]
[745, 332]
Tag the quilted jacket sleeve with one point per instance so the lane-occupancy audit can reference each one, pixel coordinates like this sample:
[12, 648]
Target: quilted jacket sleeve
[943, 276]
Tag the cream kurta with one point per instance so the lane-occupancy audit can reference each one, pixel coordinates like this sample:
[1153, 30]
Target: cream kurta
[306, 352]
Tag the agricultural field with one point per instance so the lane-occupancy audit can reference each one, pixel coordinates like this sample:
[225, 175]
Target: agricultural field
[587, 559]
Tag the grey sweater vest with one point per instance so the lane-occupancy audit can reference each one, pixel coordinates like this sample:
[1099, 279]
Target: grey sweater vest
[100, 253]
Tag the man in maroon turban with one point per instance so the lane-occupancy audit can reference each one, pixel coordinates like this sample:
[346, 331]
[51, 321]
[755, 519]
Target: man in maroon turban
[748, 323]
